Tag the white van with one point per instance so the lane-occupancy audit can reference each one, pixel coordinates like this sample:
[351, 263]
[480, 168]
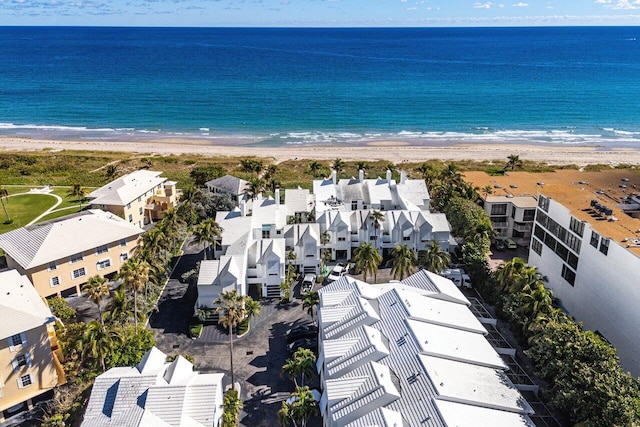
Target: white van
[307, 283]
[457, 276]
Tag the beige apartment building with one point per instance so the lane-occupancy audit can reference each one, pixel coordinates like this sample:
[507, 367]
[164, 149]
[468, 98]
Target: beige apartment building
[60, 255]
[140, 197]
[29, 352]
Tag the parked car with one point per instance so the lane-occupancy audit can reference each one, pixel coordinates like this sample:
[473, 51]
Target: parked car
[510, 244]
[457, 276]
[307, 283]
[302, 331]
[336, 273]
[499, 245]
[308, 343]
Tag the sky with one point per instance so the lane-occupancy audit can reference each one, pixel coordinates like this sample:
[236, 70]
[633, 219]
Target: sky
[319, 13]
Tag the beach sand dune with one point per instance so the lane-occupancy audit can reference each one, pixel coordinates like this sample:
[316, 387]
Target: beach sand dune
[392, 151]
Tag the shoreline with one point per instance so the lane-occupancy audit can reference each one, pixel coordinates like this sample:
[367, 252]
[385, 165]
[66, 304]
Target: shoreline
[396, 151]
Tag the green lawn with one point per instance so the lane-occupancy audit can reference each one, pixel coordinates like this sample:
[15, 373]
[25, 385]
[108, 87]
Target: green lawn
[23, 209]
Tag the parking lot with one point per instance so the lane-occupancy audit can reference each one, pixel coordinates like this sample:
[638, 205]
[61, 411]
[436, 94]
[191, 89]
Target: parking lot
[258, 356]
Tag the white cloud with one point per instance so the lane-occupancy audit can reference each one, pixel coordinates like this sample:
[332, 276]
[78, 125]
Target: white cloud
[620, 4]
[483, 5]
[520, 4]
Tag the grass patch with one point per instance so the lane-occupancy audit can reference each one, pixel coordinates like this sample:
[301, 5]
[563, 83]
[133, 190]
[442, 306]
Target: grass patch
[57, 214]
[24, 209]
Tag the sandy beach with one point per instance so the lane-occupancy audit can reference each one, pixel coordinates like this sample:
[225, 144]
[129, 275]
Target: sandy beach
[393, 151]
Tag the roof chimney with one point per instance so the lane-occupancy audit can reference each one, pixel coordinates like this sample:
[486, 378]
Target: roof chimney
[403, 177]
[243, 208]
[334, 176]
[388, 175]
[277, 196]
[361, 175]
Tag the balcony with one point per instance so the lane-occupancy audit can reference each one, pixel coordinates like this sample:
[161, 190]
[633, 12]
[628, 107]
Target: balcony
[500, 224]
[524, 228]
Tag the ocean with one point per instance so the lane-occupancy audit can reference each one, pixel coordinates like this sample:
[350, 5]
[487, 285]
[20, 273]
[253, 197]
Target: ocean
[429, 86]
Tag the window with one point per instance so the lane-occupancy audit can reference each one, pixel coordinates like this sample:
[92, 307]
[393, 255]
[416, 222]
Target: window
[130, 218]
[140, 198]
[266, 234]
[122, 243]
[576, 226]
[529, 215]
[499, 209]
[354, 205]
[406, 238]
[78, 273]
[140, 210]
[25, 381]
[54, 281]
[341, 239]
[572, 260]
[373, 237]
[604, 246]
[568, 275]
[124, 256]
[539, 232]
[128, 205]
[595, 238]
[76, 258]
[52, 266]
[102, 249]
[536, 246]
[16, 340]
[105, 263]
[20, 361]
[513, 212]
[543, 203]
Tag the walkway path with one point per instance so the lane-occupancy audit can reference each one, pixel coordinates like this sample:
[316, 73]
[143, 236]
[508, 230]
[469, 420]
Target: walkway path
[48, 211]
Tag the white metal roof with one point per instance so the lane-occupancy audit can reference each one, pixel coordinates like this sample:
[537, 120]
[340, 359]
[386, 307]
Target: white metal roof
[127, 188]
[228, 184]
[172, 395]
[48, 241]
[455, 344]
[459, 415]
[474, 385]
[21, 308]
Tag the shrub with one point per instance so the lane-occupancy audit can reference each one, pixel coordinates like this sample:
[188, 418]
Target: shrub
[195, 330]
[61, 308]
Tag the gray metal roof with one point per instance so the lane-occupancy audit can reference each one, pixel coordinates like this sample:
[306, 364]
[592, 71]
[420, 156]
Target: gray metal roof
[127, 188]
[228, 184]
[48, 241]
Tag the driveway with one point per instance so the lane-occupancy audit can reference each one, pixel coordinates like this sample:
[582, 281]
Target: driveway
[258, 356]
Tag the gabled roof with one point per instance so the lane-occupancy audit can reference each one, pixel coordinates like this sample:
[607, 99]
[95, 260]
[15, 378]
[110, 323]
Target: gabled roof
[148, 395]
[127, 188]
[21, 308]
[437, 354]
[48, 241]
[229, 184]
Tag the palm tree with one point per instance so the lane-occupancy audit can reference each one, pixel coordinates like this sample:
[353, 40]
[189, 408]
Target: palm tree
[338, 166]
[97, 288]
[538, 301]
[513, 162]
[325, 253]
[403, 259]
[303, 407]
[451, 174]
[427, 172]
[435, 258]
[188, 199]
[207, 232]
[378, 219]
[487, 189]
[253, 188]
[303, 363]
[4, 195]
[511, 275]
[135, 275]
[111, 171]
[367, 258]
[154, 242]
[233, 309]
[315, 167]
[99, 340]
[361, 165]
[309, 301]
[172, 223]
[119, 311]
[78, 192]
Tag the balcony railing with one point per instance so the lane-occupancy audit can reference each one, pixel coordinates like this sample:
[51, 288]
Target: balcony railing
[500, 224]
[523, 227]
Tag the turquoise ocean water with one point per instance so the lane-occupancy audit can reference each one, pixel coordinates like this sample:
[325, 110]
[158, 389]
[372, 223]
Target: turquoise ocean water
[578, 85]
